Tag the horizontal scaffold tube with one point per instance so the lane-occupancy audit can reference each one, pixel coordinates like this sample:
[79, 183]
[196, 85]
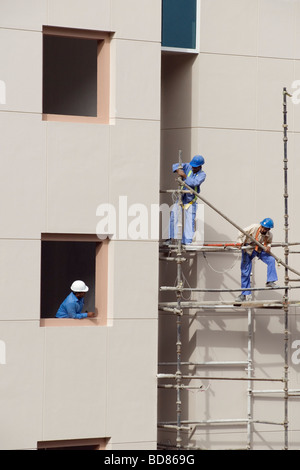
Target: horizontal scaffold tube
[277, 244]
[227, 303]
[184, 387]
[199, 377]
[207, 363]
[293, 393]
[173, 426]
[196, 289]
[210, 421]
[237, 227]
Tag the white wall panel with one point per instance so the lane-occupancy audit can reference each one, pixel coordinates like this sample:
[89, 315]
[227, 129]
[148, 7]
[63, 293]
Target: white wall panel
[134, 162]
[77, 172]
[229, 27]
[75, 383]
[275, 16]
[21, 70]
[21, 385]
[87, 14]
[23, 175]
[143, 19]
[137, 80]
[17, 14]
[131, 380]
[20, 279]
[134, 267]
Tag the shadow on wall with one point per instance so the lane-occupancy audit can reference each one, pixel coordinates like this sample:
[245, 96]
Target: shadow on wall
[176, 113]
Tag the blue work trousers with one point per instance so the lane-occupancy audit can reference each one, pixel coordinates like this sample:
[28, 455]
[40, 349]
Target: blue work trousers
[246, 267]
[189, 222]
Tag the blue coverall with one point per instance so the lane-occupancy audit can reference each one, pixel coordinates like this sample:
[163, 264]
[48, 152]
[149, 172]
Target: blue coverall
[246, 267]
[71, 307]
[189, 201]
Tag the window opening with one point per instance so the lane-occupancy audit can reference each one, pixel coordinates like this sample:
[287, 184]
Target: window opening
[63, 263]
[75, 75]
[70, 76]
[65, 259]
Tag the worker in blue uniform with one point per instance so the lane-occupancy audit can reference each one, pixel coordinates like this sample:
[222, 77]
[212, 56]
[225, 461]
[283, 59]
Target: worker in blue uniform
[73, 304]
[262, 233]
[193, 176]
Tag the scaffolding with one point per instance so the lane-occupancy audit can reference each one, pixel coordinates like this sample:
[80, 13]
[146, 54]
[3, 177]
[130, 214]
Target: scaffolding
[179, 253]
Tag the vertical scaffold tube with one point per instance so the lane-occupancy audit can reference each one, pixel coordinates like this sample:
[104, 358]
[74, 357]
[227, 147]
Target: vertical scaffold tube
[178, 353]
[286, 279]
[250, 385]
[178, 315]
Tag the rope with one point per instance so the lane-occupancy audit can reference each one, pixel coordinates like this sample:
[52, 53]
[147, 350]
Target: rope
[225, 270]
[184, 279]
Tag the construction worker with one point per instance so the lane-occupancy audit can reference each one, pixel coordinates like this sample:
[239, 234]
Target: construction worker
[262, 233]
[73, 304]
[193, 175]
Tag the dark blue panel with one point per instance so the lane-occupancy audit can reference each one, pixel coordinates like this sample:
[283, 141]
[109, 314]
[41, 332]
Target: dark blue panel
[179, 23]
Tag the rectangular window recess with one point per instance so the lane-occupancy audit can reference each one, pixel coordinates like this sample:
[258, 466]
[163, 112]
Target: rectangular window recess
[76, 75]
[74, 444]
[66, 258]
[180, 26]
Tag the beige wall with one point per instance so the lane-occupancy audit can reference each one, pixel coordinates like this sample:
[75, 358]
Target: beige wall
[226, 104]
[78, 382]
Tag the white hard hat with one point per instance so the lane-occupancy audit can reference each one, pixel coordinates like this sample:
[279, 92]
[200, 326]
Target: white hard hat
[79, 286]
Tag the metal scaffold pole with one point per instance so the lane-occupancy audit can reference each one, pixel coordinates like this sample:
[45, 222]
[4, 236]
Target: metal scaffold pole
[250, 383]
[286, 279]
[179, 316]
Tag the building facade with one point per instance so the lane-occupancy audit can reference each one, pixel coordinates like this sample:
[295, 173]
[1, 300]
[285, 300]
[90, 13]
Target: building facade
[89, 382]
[97, 99]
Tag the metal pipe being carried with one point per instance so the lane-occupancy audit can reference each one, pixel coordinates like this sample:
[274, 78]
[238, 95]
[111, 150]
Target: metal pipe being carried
[237, 227]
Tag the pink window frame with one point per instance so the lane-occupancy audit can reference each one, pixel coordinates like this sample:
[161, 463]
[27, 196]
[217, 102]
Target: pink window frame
[101, 282]
[98, 444]
[103, 73]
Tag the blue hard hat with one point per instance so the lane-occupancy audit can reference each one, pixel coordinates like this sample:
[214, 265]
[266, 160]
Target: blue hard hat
[198, 160]
[268, 223]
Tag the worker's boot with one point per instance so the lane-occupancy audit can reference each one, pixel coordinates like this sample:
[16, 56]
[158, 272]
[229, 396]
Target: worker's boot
[271, 284]
[243, 298]
[169, 242]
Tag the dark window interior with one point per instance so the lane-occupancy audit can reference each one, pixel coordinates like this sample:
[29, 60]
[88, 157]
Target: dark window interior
[70, 76]
[62, 263]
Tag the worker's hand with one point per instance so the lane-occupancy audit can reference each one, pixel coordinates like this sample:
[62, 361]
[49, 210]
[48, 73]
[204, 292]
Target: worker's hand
[268, 249]
[90, 314]
[181, 173]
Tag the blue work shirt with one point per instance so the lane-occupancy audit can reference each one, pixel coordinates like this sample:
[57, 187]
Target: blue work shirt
[71, 307]
[194, 180]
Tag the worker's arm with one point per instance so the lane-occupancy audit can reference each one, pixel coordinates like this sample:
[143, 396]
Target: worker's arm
[72, 311]
[90, 314]
[181, 171]
[196, 179]
[269, 242]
